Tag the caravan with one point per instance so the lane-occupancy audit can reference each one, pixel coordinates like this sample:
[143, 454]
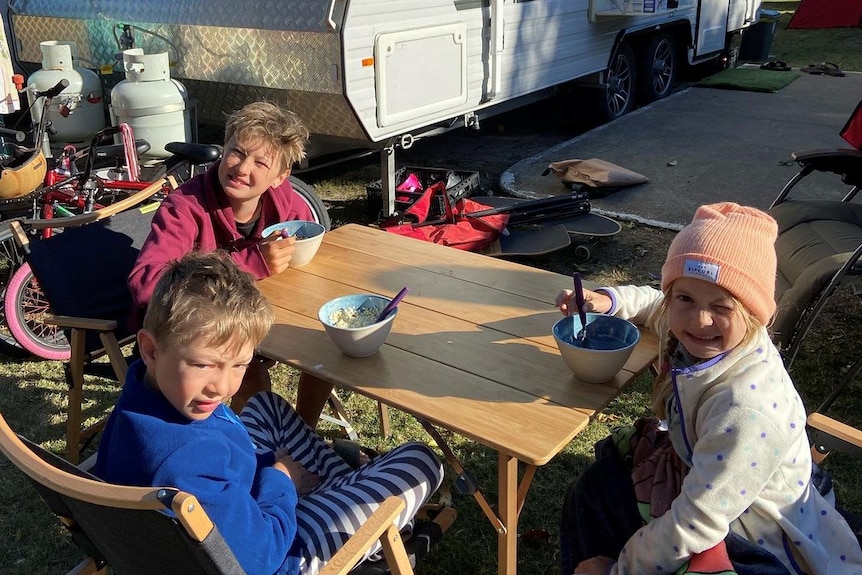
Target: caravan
[378, 74]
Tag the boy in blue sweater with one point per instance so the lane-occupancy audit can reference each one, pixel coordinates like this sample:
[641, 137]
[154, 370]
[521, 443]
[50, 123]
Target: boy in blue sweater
[281, 498]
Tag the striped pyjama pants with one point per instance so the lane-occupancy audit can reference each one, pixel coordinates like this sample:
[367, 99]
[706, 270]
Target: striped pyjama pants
[345, 497]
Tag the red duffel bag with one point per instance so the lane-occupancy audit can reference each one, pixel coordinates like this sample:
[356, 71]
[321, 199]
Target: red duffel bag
[458, 229]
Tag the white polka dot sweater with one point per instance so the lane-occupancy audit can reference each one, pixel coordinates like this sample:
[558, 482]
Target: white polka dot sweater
[739, 423]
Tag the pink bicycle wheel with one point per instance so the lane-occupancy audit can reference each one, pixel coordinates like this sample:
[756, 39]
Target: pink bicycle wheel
[25, 307]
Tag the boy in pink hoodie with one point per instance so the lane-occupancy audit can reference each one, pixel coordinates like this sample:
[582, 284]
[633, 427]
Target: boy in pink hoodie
[228, 208]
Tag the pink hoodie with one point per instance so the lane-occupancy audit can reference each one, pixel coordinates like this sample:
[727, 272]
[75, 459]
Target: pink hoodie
[196, 216]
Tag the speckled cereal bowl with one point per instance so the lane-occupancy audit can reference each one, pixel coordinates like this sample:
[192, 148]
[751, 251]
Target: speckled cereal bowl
[356, 334]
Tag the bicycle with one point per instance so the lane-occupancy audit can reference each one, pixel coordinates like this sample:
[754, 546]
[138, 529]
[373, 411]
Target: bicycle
[24, 306]
[31, 187]
[22, 329]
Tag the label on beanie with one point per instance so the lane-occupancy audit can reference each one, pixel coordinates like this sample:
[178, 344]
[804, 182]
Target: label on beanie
[701, 270]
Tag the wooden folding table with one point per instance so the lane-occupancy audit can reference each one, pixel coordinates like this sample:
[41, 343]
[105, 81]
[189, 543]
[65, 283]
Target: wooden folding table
[470, 351]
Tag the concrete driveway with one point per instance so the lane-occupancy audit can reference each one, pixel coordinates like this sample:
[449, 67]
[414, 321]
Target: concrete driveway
[704, 145]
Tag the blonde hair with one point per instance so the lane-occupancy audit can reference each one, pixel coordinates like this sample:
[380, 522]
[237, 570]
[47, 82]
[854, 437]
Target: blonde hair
[207, 296]
[661, 387]
[277, 129]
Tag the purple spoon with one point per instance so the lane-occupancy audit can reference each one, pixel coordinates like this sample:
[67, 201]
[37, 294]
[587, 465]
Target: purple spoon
[579, 301]
[392, 304]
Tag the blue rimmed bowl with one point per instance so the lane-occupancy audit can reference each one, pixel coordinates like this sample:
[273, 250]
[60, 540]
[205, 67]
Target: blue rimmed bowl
[610, 342]
[309, 236]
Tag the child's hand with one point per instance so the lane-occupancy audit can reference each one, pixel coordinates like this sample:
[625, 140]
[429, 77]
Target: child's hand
[304, 480]
[593, 301]
[277, 251]
[594, 566]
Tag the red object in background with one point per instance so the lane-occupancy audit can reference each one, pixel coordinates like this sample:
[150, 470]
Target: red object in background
[410, 184]
[852, 130]
[53, 177]
[458, 229]
[813, 14]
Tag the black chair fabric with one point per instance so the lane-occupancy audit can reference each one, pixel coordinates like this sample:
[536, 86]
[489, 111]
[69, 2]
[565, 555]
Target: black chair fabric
[84, 271]
[131, 541]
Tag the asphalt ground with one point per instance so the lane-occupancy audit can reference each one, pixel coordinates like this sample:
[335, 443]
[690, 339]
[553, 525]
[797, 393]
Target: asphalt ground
[704, 145]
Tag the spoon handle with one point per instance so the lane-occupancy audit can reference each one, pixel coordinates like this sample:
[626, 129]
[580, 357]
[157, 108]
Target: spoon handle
[392, 304]
[579, 301]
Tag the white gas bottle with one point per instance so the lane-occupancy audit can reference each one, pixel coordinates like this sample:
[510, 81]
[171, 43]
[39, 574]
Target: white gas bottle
[78, 112]
[153, 104]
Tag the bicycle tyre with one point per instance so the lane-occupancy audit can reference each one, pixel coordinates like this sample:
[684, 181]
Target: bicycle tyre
[25, 306]
[10, 260]
[9, 346]
[310, 197]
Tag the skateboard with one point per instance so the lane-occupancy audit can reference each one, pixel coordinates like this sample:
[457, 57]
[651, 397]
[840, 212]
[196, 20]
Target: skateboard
[535, 242]
[568, 210]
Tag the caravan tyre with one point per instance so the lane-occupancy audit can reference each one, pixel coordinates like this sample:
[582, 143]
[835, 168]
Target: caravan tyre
[658, 69]
[310, 197]
[619, 96]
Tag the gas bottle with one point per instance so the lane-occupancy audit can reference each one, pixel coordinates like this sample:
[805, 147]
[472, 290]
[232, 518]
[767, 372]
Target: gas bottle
[151, 102]
[78, 112]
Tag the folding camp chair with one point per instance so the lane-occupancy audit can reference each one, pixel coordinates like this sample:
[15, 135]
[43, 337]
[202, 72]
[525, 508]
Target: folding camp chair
[819, 241]
[146, 530]
[819, 245]
[83, 274]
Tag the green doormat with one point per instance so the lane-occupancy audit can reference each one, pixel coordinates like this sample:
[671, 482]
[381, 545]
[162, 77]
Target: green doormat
[750, 79]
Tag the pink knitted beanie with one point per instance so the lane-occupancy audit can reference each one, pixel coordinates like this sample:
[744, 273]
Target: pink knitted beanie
[732, 246]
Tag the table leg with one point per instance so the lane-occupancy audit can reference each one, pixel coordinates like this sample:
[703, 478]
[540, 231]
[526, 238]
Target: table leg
[526, 481]
[507, 539]
[512, 495]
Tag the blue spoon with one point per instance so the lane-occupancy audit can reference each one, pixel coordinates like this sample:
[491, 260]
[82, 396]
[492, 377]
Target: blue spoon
[392, 304]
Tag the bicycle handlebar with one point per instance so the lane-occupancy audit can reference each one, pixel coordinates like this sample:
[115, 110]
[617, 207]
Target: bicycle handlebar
[53, 92]
[17, 134]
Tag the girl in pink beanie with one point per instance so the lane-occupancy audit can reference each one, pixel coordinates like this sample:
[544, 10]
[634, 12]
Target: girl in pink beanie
[722, 478]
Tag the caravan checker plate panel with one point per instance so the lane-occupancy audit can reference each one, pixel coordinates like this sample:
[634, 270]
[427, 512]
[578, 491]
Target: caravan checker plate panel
[223, 66]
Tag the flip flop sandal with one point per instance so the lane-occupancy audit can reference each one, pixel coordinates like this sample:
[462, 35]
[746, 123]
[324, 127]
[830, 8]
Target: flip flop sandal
[831, 69]
[812, 69]
[350, 451]
[776, 65]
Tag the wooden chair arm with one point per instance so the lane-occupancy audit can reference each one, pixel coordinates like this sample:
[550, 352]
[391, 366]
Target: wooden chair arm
[833, 428]
[105, 212]
[381, 524]
[87, 567]
[81, 322]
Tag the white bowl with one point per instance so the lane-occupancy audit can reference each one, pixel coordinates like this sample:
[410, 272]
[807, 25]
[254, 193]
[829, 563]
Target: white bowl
[609, 344]
[308, 235]
[357, 341]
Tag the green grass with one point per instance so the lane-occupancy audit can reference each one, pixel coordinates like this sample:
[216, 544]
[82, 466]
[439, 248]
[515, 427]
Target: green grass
[797, 48]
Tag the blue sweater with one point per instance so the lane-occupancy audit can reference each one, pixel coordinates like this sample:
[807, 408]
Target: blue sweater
[149, 443]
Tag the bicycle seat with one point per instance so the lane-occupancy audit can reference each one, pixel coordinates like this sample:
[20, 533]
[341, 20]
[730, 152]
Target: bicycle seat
[119, 151]
[195, 153]
[23, 173]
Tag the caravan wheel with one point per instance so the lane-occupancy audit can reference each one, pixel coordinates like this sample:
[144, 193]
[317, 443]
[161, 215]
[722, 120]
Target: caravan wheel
[310, 197]
[619, 97]
[658, 69]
